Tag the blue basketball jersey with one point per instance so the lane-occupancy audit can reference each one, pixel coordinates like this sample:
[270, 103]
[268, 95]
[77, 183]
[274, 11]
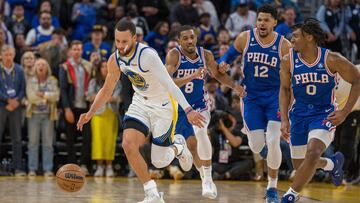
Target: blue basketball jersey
[313, 85]
[261, 65]
[194, 90]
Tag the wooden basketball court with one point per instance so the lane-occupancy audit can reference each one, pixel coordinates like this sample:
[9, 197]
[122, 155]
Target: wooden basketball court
[124, 190]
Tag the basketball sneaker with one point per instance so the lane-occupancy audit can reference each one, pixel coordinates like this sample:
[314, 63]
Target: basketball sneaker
[271, 195]
[209, 189]
[289, 198]
[337, 174]
[99, 171]
[185, 157]
[153, 198]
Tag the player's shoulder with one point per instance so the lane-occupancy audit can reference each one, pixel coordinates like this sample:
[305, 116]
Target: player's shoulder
[333, 57]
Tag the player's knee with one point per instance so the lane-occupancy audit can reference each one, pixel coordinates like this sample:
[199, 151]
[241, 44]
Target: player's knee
[273, 141]
[129, 145]
[313, 155]
[204, 148]
[256, 141]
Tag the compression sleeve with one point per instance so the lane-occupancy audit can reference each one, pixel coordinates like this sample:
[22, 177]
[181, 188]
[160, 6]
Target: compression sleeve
[151, 61]
[229, 56]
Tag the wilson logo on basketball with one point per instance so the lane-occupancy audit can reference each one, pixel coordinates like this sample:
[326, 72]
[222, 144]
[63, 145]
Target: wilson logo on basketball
[73, 176]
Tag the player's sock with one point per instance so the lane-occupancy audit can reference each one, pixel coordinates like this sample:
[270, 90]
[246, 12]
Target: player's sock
[291, 191]
[207, 173]
[201, 171]
[150, 187]
[272, 182]
[329, 165]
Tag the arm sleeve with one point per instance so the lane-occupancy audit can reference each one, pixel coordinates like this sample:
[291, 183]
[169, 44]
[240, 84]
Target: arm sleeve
[152, 62]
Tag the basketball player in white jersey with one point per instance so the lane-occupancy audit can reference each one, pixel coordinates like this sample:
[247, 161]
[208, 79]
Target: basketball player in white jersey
[153, 108]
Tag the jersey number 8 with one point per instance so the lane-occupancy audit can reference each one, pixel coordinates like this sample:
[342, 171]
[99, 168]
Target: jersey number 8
[189, 87]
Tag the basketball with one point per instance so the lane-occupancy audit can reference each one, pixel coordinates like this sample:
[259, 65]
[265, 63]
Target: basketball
[70, 178]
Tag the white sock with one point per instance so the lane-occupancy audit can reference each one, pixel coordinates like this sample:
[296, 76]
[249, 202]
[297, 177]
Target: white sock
[329, 165]
[150, 187]
[207, 173]
[272, 182]
[292, 191]
[201, 172]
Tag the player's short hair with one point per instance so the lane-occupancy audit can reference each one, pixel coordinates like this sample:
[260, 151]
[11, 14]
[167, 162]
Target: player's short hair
[184, 28]
[124, 25]
[268, 8]
[312, 27]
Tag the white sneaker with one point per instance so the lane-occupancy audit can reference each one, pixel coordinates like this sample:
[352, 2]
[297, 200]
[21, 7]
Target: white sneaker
[109, 172]
[154, 198]
[185, 157]
[99, 171]
[209, 189]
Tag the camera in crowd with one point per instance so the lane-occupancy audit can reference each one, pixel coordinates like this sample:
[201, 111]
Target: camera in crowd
[215, 119]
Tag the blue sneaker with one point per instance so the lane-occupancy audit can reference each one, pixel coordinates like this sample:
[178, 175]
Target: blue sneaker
[337, 174]
[272, 195]
[289, 198]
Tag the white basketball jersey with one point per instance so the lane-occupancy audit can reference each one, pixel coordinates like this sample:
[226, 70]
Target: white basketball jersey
[143, 81]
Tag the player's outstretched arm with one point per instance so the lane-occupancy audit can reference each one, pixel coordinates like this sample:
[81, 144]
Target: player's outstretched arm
[285, 95]
[222, 78]
[152, 62]
[339, 64]
[172, 60]
[104, 95]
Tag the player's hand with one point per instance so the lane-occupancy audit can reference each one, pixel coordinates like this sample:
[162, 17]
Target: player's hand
[240, 91]
[84, 118]
[199, 73]
[337, 117]
[285, 130]
[69, 116]
[195, 118]
[223, 67]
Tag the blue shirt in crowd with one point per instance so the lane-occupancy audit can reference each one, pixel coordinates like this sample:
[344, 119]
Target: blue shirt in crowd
[12, 84]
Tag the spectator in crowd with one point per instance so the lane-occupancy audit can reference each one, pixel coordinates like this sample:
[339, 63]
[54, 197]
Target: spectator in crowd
[74, 77]
[242, 19]
[284, 28]
[207, 33]
[42, 33]
[54, 51]
[206, 6]
[104, 124]
[153, 10]
[332, 19]
[345, 134]
[42, 94]
[227, 161]
[119, 13]
[29, 6]
[222, 9]
[6, 36]
[140, 35]
[353, 15]
[17, 23]
[157, 38]
[12, 91]
[184, 13]
[223, 38]
[27, 63]
[216, 99]
[84, 17]
[96, 44]
[171, 44]
[45, 6]
[174, 28]
[132, 15]
[20, 47]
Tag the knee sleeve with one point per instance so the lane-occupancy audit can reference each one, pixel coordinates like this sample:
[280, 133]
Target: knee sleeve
[273, 135]
[161, 156]
[204, 148]
[256, 140]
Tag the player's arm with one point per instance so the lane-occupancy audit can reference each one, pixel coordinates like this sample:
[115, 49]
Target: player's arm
[285, 95]
[172, 59]
[222, 78]
[152, 62]
[104, 95]
[339, 64]
[285, 47]
[235, 49]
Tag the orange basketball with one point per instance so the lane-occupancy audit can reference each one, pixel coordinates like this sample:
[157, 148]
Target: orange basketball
[70, 178]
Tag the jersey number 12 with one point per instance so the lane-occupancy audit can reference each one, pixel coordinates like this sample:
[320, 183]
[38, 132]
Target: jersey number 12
[261, 72]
